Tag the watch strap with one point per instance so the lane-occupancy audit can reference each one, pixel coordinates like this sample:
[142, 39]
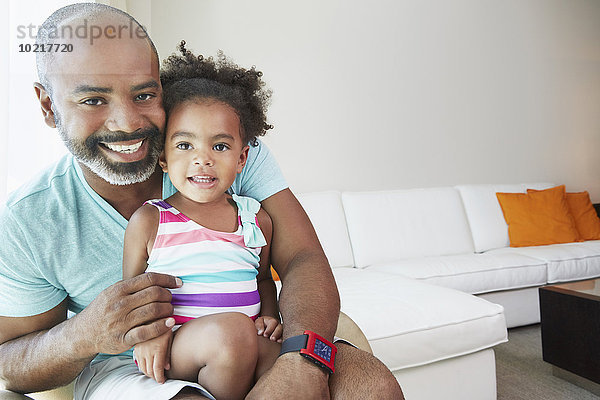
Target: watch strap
[294, 343]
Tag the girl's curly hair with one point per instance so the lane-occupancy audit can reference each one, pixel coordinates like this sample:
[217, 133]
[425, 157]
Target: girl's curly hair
[187, 77]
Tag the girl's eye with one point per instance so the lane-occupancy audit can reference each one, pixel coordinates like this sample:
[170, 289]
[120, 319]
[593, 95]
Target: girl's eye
[220, 147]
[183, 146]
[94, 102]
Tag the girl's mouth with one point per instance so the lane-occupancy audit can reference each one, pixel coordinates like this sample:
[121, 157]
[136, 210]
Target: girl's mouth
[202, 179]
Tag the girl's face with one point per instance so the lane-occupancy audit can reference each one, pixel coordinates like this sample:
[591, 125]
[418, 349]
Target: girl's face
[203, 149]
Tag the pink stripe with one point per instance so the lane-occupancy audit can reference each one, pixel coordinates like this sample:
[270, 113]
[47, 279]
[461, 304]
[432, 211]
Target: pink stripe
[180, 320]
[200, 235]
[167, 216]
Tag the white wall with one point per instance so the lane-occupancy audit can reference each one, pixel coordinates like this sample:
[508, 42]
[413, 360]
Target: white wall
[379, 94]
[27, 145]
[413, 93]
[4, 79]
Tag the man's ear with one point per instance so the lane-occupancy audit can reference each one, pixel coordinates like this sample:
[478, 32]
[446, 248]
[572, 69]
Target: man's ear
[162, 161]
[243, 159]
[45, 103]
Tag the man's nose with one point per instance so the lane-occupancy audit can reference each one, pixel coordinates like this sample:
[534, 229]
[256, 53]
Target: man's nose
[125, 117]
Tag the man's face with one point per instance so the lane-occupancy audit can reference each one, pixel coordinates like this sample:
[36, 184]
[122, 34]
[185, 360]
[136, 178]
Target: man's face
[108, 108]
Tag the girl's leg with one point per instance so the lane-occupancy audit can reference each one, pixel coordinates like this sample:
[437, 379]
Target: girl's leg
[268, 351]
[217, 351]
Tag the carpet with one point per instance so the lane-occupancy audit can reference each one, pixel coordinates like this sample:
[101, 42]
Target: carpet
[523, 374]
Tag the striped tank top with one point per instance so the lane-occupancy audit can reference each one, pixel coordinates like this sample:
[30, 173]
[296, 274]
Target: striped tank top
[218, 269]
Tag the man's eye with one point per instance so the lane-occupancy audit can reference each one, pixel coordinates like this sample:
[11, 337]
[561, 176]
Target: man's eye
[220, 147]
[94, 102]
[183, 146]
[143, 97]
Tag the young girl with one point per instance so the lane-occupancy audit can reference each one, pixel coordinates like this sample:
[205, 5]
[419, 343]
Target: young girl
[228, 331]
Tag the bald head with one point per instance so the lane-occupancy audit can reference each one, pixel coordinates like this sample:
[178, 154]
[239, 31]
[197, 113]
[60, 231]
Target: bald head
[83, 23]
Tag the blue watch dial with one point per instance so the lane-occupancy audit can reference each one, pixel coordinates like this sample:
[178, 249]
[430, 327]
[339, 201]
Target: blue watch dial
[322, 350]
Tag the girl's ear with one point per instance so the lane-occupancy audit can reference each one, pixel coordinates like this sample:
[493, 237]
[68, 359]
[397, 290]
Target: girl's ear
[162, 161]
[45, 103]
[243, 159]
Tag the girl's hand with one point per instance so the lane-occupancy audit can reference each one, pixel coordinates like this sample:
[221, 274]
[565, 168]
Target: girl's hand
[153, 357]
[269, 327]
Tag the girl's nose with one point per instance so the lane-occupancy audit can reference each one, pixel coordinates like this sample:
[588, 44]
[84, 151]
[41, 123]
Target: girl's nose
[203, 159]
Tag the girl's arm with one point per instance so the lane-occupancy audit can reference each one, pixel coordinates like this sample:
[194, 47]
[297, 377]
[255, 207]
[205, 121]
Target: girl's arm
[153, 356]
[266, 286]
[139, 239]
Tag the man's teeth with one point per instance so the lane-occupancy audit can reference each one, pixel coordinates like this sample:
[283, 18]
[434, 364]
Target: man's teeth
[124, 149]
[202, 179]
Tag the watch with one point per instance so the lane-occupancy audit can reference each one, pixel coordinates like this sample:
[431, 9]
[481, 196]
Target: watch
[313, 347]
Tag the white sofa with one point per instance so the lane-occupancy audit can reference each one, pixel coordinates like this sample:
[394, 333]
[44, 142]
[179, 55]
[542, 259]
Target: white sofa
[428, 276]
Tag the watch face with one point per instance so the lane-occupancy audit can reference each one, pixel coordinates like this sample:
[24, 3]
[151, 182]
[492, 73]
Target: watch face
[322, 350]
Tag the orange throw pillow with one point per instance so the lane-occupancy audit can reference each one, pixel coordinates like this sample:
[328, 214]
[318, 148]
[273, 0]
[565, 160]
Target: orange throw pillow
[538, 218]
[584, 213]
[274, 274]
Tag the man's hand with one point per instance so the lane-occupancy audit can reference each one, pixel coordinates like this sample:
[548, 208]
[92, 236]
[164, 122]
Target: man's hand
[153, 357]
[292, 377]
[269, 327]
[129, 312]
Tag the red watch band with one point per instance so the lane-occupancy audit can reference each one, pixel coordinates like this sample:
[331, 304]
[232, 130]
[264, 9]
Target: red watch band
[313, 347]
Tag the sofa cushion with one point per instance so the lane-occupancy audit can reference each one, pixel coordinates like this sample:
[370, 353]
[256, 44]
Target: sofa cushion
[484, 214]
[472, 273]
[327, 216]
[410, 323]
[565, 262]
[391, 225]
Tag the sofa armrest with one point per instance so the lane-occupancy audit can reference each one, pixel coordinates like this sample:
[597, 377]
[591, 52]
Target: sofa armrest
[6, 395]
[348, 330]
[61, 393]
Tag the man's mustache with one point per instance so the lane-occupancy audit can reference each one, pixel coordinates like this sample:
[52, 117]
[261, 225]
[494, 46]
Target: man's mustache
[119, 136]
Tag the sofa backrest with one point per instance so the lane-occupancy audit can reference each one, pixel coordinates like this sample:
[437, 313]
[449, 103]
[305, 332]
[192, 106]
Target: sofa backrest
[484, 214]
[390, 225]
[327, 216]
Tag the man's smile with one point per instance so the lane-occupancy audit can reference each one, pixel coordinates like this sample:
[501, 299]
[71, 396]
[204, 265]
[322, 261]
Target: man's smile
[126, 151]
[125, 147]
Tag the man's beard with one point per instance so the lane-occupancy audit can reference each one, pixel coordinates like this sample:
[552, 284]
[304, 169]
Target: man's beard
[89, 154]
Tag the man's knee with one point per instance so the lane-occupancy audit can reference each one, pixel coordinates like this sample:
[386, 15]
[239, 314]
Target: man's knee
[361, 373]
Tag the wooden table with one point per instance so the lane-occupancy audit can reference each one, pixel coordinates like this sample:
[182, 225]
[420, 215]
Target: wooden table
[570, 315]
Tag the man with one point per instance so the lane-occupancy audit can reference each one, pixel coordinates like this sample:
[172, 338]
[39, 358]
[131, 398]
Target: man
[63, 235]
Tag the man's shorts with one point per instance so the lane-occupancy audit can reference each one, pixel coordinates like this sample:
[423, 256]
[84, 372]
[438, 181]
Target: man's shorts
[119, 378]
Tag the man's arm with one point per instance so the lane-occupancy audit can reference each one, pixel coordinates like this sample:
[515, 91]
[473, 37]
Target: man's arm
[308, 299]
[25, 341]
[47, 350]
